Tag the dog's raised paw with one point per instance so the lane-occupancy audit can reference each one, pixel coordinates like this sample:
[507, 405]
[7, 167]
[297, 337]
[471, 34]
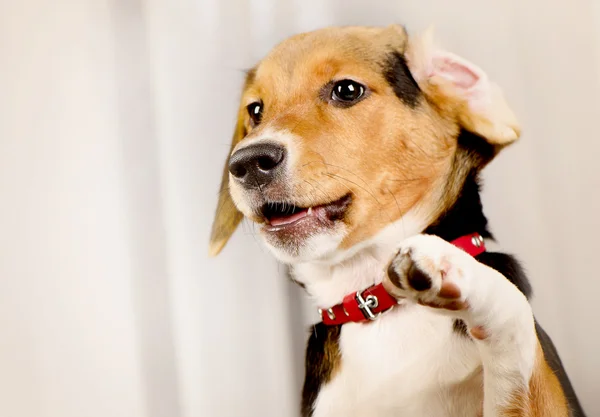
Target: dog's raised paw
[431, 272]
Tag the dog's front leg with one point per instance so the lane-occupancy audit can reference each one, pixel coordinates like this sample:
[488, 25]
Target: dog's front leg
[517, 380]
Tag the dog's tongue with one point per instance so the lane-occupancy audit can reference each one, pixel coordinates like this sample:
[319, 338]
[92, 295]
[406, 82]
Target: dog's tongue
[278, 221]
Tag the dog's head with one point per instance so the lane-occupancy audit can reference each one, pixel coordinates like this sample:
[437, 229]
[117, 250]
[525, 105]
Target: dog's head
[343, 131]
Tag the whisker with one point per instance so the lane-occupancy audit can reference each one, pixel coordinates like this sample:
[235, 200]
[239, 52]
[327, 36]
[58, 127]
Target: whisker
[396, 201]
[316, 187]
[418, 147]
[254, 233]
[338, 167]
[347, 170]
[378, 202]
[409, 179]
[334, 178]
[370, 191]
[352, 182]
[399, 211]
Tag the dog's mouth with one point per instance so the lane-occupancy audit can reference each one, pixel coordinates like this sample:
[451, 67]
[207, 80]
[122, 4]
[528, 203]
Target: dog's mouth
[284, 215]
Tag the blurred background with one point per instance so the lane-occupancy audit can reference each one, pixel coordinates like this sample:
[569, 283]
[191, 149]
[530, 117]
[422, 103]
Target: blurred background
[115, 119]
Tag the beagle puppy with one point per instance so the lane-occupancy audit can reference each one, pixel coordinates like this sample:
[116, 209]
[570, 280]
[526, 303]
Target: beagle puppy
[358, 150]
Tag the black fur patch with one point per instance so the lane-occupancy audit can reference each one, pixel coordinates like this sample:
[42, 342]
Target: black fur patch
[398, 75]
[508, 266]
[322, 352]
[479, 150]
[460, 327]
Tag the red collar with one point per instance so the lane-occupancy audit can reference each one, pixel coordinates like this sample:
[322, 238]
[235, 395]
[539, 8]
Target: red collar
[369, 304]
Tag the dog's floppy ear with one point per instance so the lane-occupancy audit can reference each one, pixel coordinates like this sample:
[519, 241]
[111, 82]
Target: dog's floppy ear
[461, 91]
[227, 216]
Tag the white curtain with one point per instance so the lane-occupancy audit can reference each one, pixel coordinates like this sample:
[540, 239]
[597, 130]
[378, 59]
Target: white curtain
[115, 119]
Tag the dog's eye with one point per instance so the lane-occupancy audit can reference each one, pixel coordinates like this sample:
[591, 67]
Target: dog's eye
[255, 111]
[347, 91]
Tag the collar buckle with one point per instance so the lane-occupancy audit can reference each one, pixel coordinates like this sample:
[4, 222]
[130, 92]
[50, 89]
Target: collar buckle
[367, 304]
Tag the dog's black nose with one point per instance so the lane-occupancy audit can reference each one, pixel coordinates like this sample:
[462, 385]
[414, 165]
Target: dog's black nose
[257, 165]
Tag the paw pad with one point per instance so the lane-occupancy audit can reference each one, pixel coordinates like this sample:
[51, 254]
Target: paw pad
[417, 278]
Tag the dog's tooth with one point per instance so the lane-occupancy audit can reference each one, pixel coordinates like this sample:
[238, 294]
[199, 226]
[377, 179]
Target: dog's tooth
[309, 211]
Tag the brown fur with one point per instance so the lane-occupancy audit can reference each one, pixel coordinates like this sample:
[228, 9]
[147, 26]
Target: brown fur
[544, 396]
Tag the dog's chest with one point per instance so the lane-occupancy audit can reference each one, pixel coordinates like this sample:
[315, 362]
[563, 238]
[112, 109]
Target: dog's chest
[407, 363]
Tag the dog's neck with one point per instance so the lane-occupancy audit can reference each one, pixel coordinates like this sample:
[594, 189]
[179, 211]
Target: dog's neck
[327, 284]
[465, 216]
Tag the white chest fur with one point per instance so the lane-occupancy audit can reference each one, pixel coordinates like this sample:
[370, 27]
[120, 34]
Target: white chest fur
[409, 362]
[406, 363]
